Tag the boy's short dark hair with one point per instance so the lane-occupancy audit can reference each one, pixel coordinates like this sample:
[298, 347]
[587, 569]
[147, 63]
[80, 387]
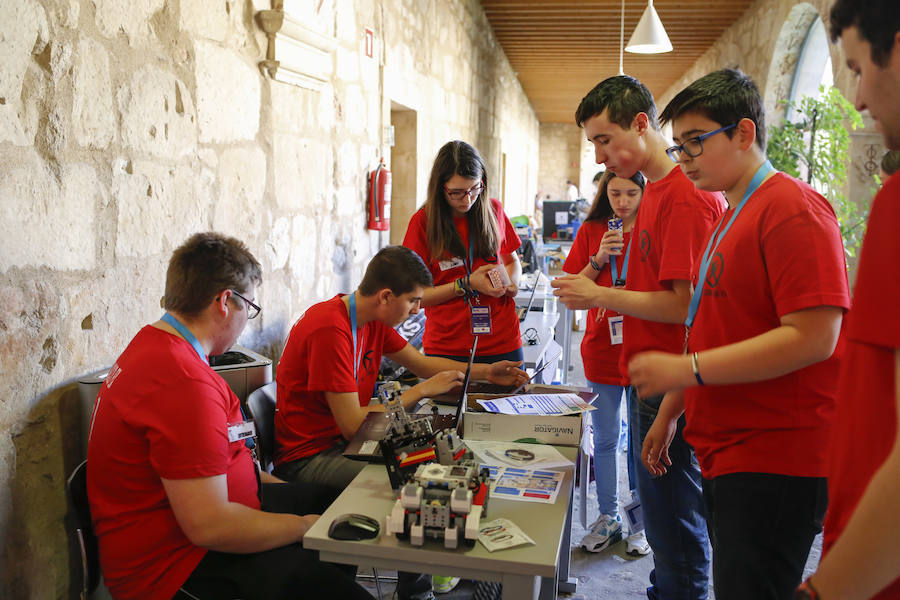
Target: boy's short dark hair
[890, 162]
[624, 96]
[877, 21]
[725, 96]
[203, 266]
[396, 268]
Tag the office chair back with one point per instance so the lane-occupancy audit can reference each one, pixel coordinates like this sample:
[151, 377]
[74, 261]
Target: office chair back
[84, 530]
[262, 408]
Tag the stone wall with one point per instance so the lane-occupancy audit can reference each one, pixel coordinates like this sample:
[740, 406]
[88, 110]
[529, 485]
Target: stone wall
[125, 126]
[560, 158]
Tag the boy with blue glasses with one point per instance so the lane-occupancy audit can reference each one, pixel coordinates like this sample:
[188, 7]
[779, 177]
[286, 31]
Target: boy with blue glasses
[758, 379]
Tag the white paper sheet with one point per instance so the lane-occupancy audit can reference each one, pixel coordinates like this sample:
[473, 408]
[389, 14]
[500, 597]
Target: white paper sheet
[526, 485]
[515, 454]
[500, 534]
[537, 404]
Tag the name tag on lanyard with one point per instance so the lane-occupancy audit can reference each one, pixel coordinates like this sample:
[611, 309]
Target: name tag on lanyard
[454, 262]
[241, 431]
[615, 329]
[481, 320]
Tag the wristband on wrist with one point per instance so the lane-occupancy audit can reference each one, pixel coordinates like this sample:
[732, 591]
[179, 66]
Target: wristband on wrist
[594, 263]
[806, 591]
[695, 367]
[458, 288]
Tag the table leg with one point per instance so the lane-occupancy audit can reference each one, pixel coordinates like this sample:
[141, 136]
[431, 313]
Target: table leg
[566, 584]
[520, 587]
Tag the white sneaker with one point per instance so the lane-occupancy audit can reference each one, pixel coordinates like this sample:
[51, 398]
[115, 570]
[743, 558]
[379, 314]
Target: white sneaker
[636, 544]
[605, 531]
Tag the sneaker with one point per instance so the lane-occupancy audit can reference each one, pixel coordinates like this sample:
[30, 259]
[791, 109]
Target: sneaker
[605, 531]
[442, 585]
[636, 544]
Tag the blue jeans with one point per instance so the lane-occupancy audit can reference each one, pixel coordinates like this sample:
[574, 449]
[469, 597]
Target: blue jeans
[606, 425]
[674, 512]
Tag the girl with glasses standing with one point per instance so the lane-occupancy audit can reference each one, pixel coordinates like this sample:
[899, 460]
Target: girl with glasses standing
[600, 252]
[469, 245]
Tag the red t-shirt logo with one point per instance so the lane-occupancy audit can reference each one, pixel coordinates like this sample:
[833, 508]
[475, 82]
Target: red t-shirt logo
[645, 245]
[716, 268]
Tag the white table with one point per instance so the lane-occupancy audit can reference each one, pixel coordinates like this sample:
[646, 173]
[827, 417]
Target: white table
[526, 572]
[546, 349]
[546, 303]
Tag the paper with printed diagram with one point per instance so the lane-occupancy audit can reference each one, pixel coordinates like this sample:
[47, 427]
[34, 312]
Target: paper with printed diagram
[537, 404]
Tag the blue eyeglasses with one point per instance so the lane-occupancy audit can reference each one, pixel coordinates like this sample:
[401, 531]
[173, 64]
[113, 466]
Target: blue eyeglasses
[694, 146]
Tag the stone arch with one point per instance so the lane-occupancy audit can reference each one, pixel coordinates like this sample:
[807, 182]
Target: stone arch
[785, 57]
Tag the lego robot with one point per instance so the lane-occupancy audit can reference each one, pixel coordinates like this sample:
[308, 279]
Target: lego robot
[441, 500]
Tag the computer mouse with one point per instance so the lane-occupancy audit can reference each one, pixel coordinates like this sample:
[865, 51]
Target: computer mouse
[354, 527]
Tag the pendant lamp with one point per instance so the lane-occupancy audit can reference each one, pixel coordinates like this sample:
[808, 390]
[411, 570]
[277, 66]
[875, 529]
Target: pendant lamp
[649, 37]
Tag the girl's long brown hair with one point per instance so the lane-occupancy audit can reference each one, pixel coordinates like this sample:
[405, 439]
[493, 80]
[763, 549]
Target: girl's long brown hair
[459, 158]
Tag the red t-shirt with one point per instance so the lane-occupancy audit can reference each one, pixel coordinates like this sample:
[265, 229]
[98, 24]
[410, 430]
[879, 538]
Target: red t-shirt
[782, 254]
[865, 412]
[673, 220]
[448, 326]
[318, 358]
[162, 412]
[600, 356]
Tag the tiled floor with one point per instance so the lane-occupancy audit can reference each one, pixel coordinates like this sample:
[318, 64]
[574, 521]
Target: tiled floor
[608, 575]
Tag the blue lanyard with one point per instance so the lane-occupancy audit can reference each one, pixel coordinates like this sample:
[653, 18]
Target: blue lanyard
[761, 173]
[356, 359]
[189, 337]
[615, 271]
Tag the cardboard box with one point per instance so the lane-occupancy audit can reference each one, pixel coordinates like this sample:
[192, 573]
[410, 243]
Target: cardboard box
[480, 425]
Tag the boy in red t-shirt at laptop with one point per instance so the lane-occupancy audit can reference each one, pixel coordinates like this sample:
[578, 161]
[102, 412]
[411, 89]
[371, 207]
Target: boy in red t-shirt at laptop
[758, 380]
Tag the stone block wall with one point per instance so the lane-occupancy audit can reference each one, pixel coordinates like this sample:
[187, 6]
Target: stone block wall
[126, 126]
[561, 155]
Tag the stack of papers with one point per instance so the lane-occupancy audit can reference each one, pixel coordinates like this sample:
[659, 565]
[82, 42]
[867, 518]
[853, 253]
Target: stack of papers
[537, 404]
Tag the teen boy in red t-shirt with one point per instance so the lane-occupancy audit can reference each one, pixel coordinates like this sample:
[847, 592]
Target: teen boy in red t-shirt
[174, 493]
[326, 376]
[619, 118]
[760, 371]
[861, 552]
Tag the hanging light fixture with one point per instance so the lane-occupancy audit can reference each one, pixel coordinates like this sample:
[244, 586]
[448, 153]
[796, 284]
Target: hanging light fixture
[622, 39]
[649, 37]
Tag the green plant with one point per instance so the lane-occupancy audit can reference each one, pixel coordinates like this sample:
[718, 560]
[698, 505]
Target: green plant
[815, 147]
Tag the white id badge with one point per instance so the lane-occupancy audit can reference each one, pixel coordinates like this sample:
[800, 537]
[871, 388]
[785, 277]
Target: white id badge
[615, 329]
[481, 320]
[241, 431]
[454, 262]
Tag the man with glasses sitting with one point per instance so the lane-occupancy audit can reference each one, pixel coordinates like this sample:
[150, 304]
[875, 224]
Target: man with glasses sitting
[178, 504]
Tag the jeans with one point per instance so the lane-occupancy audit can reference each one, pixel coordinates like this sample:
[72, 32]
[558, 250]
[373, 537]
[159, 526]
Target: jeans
[761, 527]
[673, 509]
[606, 425]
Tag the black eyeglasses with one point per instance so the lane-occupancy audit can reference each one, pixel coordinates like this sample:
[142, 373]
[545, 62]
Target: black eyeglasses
[694, 146]
[458, 194]
[253, 310]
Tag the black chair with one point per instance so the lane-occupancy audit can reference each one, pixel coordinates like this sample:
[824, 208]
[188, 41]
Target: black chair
[262, 410]
[84, 530]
